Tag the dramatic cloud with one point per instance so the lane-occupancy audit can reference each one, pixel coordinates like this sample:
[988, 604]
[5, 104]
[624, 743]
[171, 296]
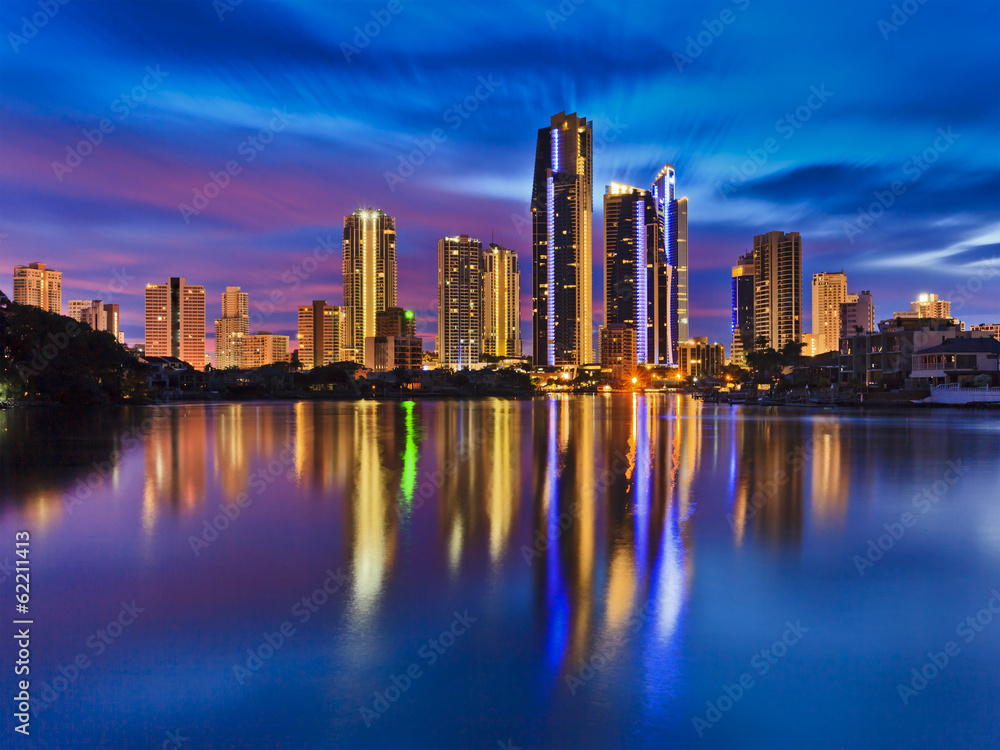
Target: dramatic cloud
[787, 115]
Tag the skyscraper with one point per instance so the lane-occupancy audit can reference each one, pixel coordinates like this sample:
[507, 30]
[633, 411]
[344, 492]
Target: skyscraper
[460, 293]
[632, 255]
[395, 321]
[742, 294]
[927, 306]
[673, 223]
[501, 302]
[829, 292]
[369, 275]
[232, 328]
[320, 331]
[36, 285]
[175, 321]
[777, 280]
[562, 257]
[263, 348]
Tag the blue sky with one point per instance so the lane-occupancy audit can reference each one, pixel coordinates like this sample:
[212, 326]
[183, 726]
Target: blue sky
[797, 116]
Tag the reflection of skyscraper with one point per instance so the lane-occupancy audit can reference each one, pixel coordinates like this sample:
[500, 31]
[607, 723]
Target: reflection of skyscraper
[742, 295]
[369, 275]
[231, 328]
[372, 518]
[562, 258]
[632, 256]
[777, 279]
[830, 471]
[460, 301]
[176, 460]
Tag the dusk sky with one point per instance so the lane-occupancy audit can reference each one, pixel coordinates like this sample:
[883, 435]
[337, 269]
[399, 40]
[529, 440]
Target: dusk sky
[201, 78]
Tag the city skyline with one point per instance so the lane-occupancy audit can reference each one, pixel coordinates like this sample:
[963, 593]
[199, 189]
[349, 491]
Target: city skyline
[120, 204]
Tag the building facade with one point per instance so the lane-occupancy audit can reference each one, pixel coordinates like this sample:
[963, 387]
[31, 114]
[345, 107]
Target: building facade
[319, 334]
[636, 291]
[501, 302]
[777, 279]
[232, 328]
[387, 352]
[618, 350]
[562, 257]
[857, 312]
[926, 306]
[699, 359]
[742, 315]
[829, 292]
[460, 293]
[263, 348]
[175, 321]
[395, 321]
[38, 286]
[671, 215]
[369, 276]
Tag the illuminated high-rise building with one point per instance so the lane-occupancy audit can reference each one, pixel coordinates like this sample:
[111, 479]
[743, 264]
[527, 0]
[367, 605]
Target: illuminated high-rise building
[232, 328]
[175, 321]
[742, 294]
[460, 294]
[36, 285]
[927, 306]
[369, 276]
[777, 281]
[320, 332]
[562, 257]
[501, 302]
[636, 280]
[829, 292]
[672, 218]
[395, 321]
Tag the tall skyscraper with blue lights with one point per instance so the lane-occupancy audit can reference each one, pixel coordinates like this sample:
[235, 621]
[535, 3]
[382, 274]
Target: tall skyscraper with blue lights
[562, 258]
[672, 217]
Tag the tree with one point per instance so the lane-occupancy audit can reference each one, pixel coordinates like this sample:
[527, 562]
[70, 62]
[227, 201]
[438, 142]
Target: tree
[295, 363]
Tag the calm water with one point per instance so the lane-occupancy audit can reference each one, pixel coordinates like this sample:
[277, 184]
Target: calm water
[574, 572]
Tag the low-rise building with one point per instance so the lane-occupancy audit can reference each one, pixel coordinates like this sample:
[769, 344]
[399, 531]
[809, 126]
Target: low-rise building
[619, 350]
[384, 353]
[699, 359]
[263, 348]
[885, 357]
[958, 360]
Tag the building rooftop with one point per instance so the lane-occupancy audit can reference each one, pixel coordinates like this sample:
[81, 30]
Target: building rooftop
[965, 346]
